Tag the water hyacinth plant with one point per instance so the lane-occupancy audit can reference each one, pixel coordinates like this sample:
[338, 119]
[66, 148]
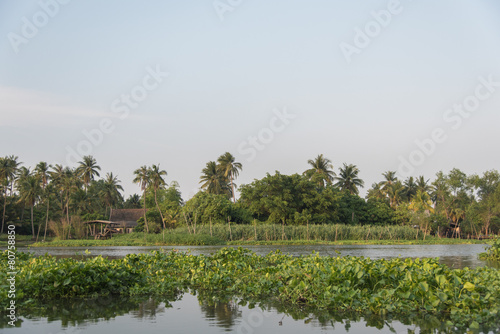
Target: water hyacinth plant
[465, 299]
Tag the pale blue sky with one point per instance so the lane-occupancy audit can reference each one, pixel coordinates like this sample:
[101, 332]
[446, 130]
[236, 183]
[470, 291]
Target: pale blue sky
[227, 76]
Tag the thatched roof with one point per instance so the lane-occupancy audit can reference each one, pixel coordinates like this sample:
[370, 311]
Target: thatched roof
[129, 215]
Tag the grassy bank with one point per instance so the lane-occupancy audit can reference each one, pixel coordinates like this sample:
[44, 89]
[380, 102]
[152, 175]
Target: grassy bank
[466, 299]
[269, 234]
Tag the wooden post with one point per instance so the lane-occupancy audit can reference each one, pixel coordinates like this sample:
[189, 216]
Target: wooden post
[307, 232]
[255, 229]
[336, 228]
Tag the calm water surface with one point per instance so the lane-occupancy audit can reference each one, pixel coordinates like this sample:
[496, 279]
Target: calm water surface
[192, 315]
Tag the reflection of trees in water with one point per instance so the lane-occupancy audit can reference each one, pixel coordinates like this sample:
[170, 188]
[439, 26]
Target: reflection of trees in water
[148, 309]
[80, 312]
[326, 320]
[224, 311]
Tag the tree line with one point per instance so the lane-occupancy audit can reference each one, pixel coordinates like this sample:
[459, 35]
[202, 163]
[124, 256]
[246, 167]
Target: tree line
[467, 204]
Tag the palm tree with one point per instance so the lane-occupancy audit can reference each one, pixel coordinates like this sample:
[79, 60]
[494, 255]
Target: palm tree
[230, 168]
[110, 192]
[423, 184]
[376, 191]
[30, 190]
[348, 179]
[42, 172]
[57, 175]
[321, 171]
[68, 184]
[390, 178]
[421, 202]
[142, 177]
[410, 188]
[8, 172]
[395, 193]
[213, 181]
[157, 182]
[87, 169]
[133, 202]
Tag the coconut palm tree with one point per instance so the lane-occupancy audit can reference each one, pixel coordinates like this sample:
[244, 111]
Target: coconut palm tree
[423, 184]
[230, 169]
[8, 173]
[389, 179]
[87, 170]
[348, 179]
[42, 172]
[157, 182]
[321, 171]
[213, 181]
[142, 177]
[395, 193]
[30, 190]
[133, 202]
[421, 202]
[68, 185]
[110, 192]
[376, 192]
[410, 188]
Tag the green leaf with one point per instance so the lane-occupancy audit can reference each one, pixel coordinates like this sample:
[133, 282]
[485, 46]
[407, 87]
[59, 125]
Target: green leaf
[474, 325]
[469, 286]
[67, 281]
[423, 286]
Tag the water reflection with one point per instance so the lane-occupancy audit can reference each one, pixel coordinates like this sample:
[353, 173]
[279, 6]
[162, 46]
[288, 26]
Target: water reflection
[221, 314]
[210, 314]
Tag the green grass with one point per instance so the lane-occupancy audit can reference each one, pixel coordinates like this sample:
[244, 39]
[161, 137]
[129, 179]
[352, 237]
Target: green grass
[138, 239]
[270, 234]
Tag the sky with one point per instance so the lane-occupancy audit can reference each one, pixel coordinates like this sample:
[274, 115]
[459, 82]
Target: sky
[407, 86]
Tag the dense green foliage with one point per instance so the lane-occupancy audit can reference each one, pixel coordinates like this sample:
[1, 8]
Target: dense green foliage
[492, 252]
[48, 199]
[465, 298]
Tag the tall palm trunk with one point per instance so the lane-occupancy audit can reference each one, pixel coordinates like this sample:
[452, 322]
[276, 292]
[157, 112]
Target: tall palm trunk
[67, 217]
[4, 207]
[32, 225]
[46, 220]
[232, 186]
[145, 219]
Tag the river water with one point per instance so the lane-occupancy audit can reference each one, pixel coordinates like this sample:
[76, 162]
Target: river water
[194, 314]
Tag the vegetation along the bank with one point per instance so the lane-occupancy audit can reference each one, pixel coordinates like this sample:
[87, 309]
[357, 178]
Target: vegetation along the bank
[465, 298]
[493, 252]
[55, 200]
